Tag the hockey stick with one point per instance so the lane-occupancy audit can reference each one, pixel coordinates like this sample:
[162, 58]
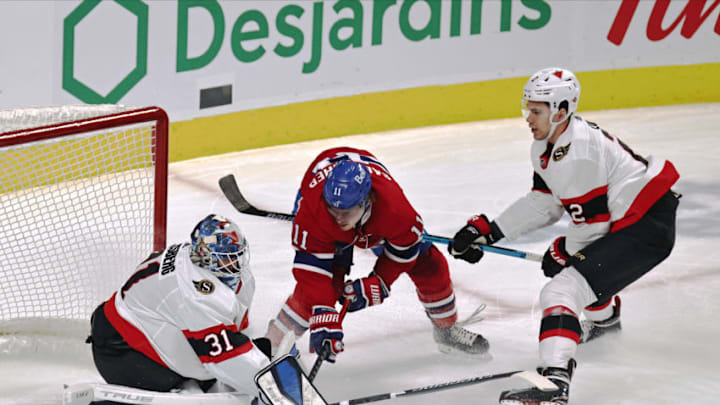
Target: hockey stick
[487, 248]
[539, 381]
[229, 187]
[84, 394]
[322, 356]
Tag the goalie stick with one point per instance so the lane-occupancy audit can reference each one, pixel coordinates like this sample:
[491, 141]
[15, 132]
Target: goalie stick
[536, 379]
[84, 394]
[229, 187]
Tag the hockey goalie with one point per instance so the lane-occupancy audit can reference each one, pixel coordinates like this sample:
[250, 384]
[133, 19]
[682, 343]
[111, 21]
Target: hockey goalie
[173, 333]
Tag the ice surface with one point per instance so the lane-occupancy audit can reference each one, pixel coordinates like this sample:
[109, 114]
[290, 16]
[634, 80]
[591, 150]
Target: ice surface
[667, 352]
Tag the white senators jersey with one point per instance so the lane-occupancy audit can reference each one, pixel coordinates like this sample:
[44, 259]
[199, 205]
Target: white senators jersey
[183, 317]
[594, 177]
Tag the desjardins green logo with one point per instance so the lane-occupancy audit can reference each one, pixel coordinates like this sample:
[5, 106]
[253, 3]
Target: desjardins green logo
[249, 38]
[73, 84]
[251, 30]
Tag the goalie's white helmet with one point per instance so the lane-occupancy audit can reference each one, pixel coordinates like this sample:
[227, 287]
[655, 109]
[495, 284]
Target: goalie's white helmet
[219, 246]
[553, 86]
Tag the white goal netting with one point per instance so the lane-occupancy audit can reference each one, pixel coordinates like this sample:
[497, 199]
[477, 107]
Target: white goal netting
[82, 202]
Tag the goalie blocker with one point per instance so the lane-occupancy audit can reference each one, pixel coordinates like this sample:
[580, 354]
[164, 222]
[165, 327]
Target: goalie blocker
[283, 382]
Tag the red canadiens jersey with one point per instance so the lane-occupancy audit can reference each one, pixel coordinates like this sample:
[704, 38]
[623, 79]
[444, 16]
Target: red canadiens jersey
[315, 235]
[593, 176]
[185, 318]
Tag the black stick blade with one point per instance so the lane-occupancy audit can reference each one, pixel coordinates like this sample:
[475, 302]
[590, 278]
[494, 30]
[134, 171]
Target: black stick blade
[229, 187]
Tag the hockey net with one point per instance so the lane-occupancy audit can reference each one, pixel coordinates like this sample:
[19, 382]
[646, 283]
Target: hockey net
[82, 202]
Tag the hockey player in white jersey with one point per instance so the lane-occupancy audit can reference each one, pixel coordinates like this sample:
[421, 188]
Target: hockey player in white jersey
[178, 320]
[622, 225]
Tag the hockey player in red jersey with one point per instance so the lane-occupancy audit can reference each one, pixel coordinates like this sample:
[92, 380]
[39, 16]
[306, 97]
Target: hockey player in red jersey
[177, 322]
[622, 225]
[349, 199]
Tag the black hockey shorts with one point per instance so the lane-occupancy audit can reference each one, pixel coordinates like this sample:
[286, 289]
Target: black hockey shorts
[619, 258]
[120, 364]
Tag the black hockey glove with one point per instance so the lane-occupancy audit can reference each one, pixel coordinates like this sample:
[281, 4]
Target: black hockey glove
[478, 230]
[264, 345]
[555, 258]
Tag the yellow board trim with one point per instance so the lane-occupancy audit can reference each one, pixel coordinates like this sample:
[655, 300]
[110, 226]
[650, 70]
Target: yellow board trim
[432, 105]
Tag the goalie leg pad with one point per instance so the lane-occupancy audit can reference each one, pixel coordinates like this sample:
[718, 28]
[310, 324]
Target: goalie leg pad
[284, 381]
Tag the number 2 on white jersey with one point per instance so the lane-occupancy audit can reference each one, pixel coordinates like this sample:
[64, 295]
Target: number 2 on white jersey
[576, 213]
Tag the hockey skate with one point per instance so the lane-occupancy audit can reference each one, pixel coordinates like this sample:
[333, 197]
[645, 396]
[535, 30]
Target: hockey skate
[456, 339]
[594, 329]
[534, 396]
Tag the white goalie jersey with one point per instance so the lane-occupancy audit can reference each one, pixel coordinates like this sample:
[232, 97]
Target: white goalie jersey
[594, 177]
[183, 317]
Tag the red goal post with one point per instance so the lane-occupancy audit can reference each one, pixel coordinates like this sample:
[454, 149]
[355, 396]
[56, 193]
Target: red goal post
[83, 200]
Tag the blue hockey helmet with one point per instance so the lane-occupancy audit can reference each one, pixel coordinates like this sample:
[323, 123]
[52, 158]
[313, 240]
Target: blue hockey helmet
[347, 185]
[219, 246]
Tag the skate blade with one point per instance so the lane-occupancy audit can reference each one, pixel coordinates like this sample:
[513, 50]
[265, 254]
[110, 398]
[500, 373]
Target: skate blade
[452, 351]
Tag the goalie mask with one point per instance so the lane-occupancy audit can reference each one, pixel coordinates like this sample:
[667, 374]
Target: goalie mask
[553, 86]
[219, 246]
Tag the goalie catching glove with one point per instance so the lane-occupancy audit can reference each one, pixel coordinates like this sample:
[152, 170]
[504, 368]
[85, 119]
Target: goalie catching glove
[325, 327]
[478, 230]
[555, 258]
[364, 292]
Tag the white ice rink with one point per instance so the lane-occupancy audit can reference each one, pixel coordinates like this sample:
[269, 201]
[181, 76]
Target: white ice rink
[667, 353]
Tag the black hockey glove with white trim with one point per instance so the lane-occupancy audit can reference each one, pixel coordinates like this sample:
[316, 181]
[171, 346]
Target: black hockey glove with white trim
[555, 258]
[478, 230]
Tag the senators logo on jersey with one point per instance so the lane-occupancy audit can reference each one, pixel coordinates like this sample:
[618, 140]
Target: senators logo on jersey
[560, 152]
[204, 286]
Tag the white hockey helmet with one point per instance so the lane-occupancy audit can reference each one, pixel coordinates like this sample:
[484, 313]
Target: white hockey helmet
[553, 86]
[220, 247]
